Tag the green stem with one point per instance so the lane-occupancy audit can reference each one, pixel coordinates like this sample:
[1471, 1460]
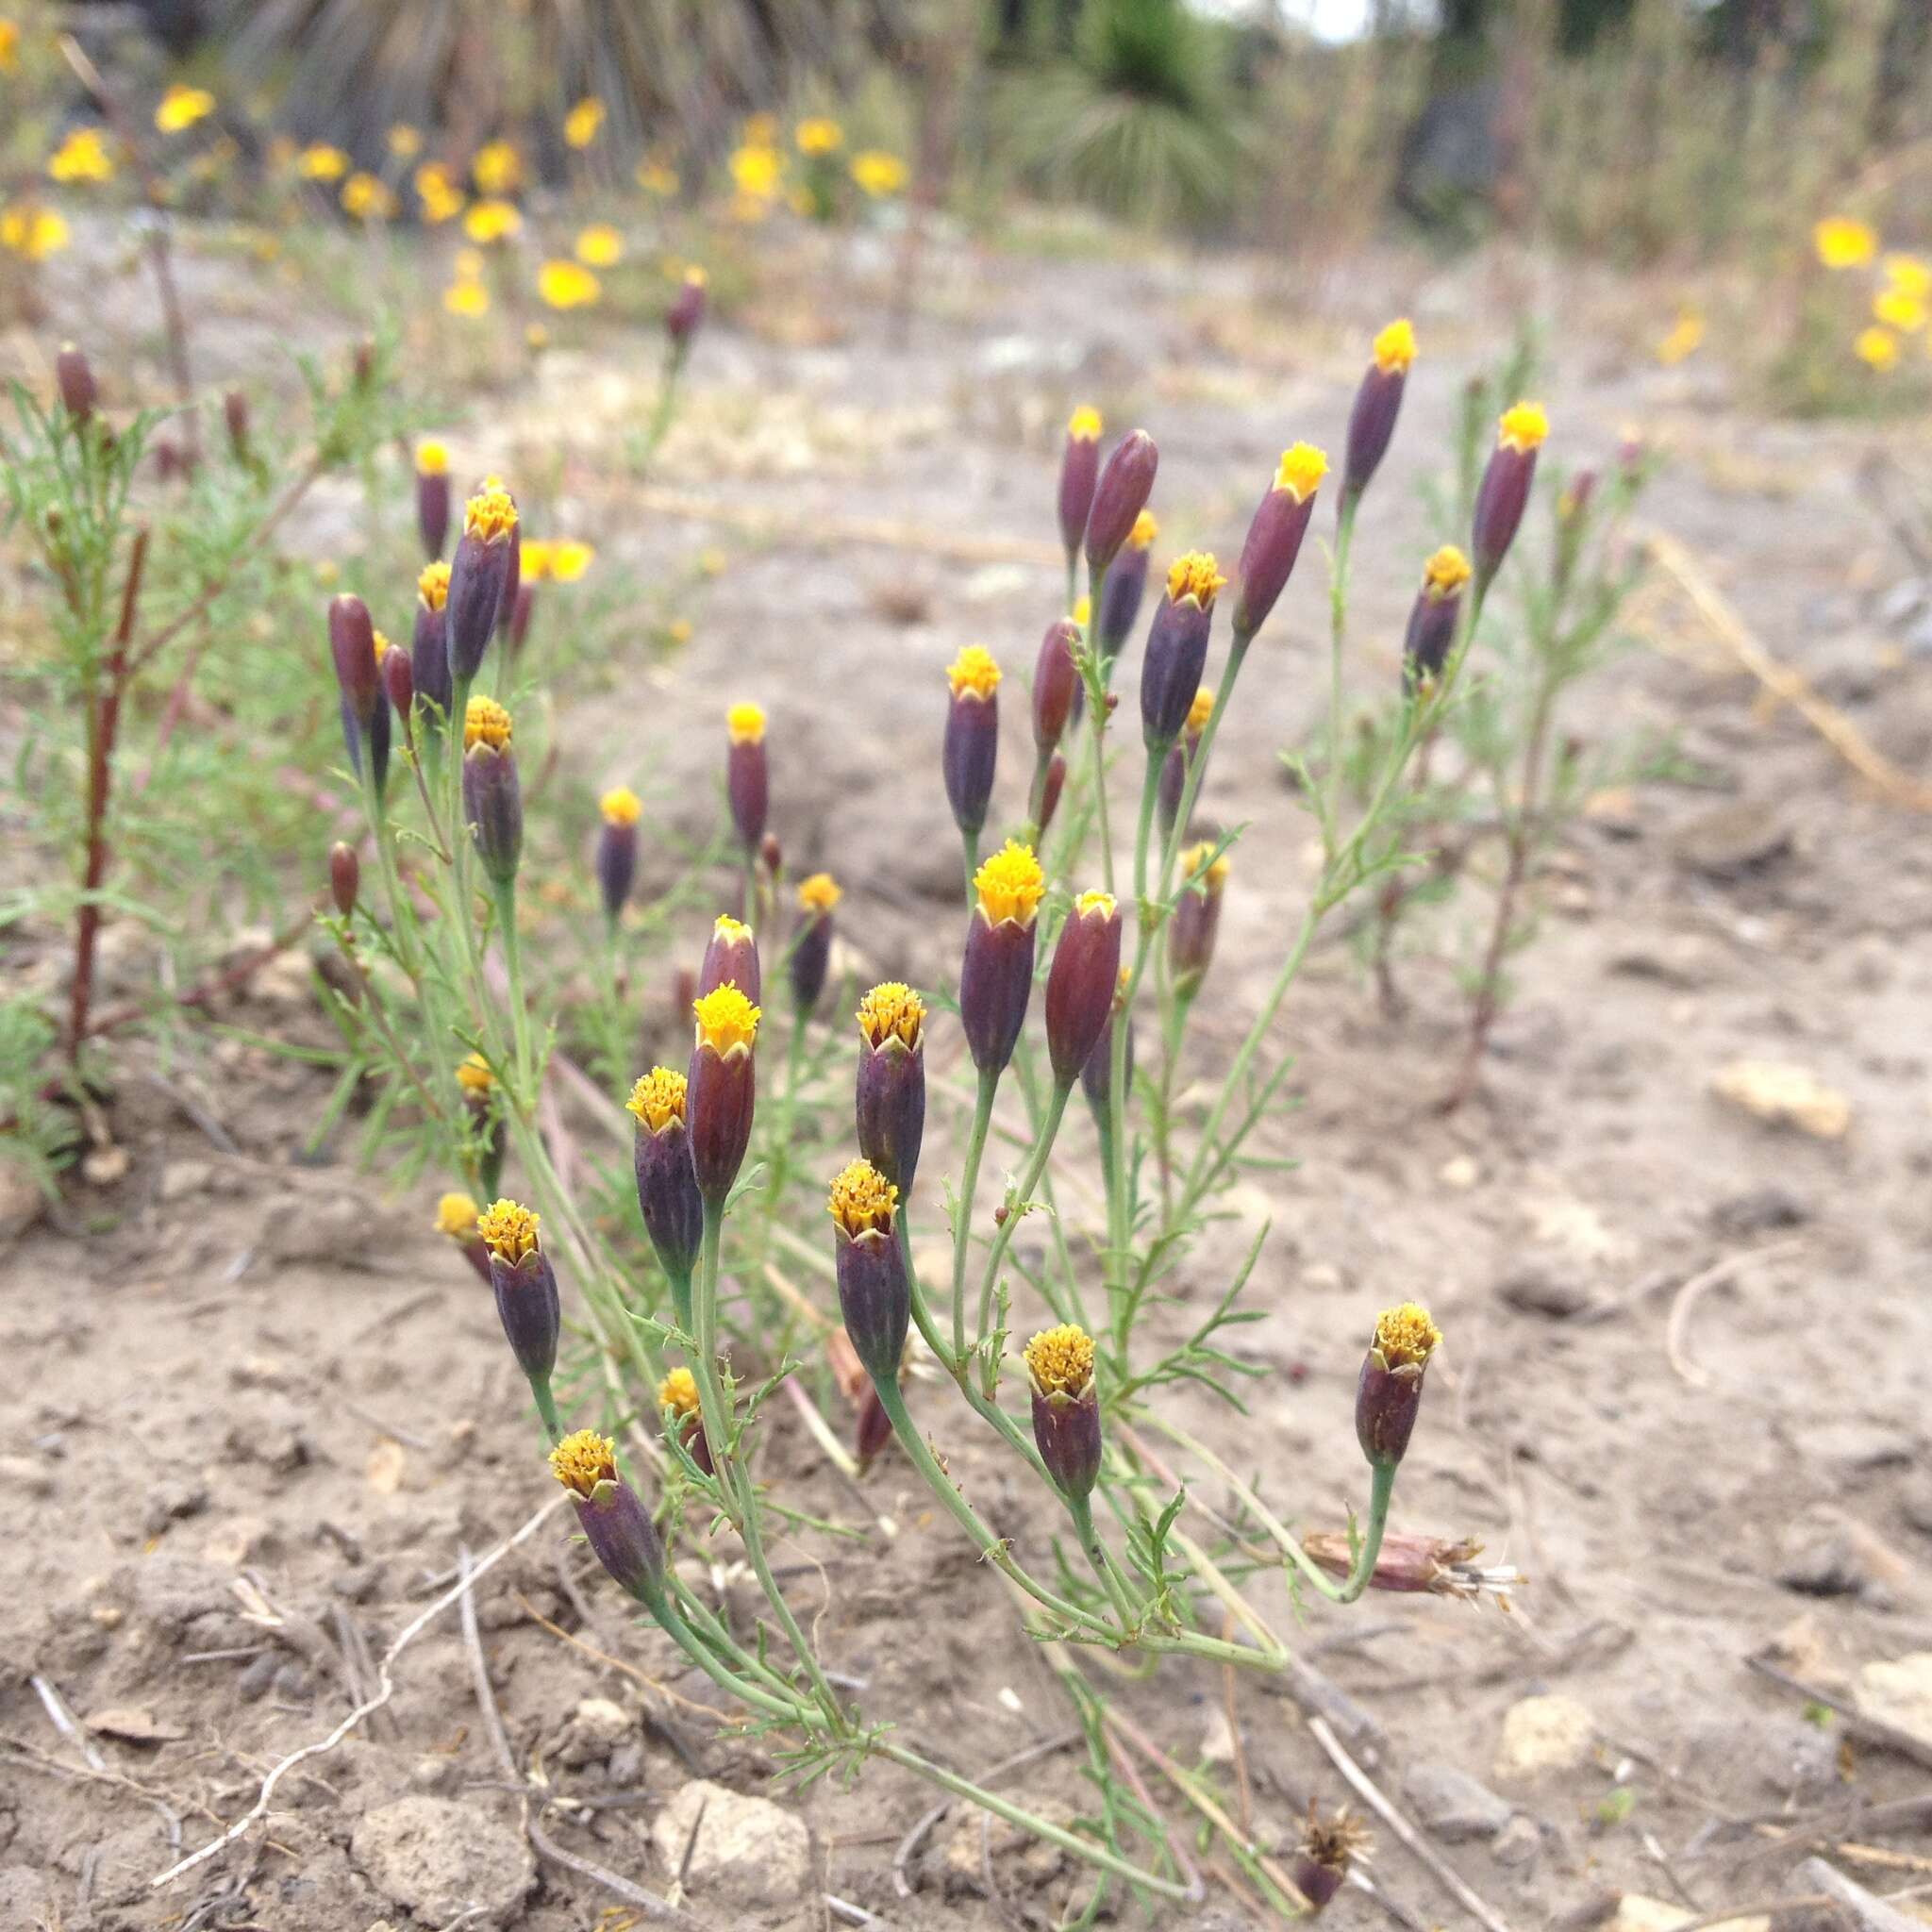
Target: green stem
[971, 842]
[962, 1210]
[1021, 1193]
[1338, 631]
[505, 893]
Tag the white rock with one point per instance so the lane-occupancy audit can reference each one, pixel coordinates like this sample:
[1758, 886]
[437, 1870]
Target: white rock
[441, 1858]
[1899, 1691]
[747, 1850]
[1544, 1734]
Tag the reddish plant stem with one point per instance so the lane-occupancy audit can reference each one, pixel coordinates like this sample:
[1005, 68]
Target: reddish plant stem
[103, 725]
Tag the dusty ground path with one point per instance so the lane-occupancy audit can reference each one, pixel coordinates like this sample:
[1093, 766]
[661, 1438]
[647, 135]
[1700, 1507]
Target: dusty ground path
[236, 1468]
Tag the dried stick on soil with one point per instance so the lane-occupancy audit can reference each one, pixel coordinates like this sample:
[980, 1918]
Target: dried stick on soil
[385, 1689]
[1906, 1743]
[1372, 1795]
[1783, 682]
[1693, 1290]
[926, 1820]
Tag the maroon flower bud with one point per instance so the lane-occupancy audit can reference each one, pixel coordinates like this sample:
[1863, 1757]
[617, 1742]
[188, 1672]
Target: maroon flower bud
[812, 947]
[874, 1430]
[492, 794]
[1118, 497]
[973, 736]
[1196, 919]
[617, 848]
[344, 876]
[874, 1298]
[721, 1093]
[1433, 619]
[526, 1285]
[1066, 1408]
[235, 415]
[748, 777]
[614, 1522]
[1081, 982]
[1096, 1071]
[1377, 402]
[890, 1100]
[352, 643]
[432, 497]
[399, 681]
[771, 854]
[1055, 680]
[687, 309]
[479, 578]
[429, 645]
[1175, 767]
[1503, 493]
[668, 1196]
[521, 603]
[680, 1398]
[363, 365]
[1275, 537]
[731, 959]
[1050, 792]
[996, 975]
[1079, 473]
[1124, 587]
[74, 375]
[1389, 1392]
[1177, 649]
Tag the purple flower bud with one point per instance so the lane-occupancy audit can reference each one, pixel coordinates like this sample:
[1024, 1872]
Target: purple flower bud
[479, 578]
[1096, 1071]
[1275, 537]
[1055, 682]
[527, 1306]
[1066, 1408]
[1080, 474]
[1050, 792]
[1081, 982]
[1196, 920]
[731, 959]
[687, 309]
[1433, 619]
[1122, 592]
[874, 1432]
[344, 876]
[235, 416]
[429, 645]
[1118, 497]
[352, 643]
[973, 736]
[668, 1196]
[432, 498]
[617, 865]
[721, 1091]
[1389, 1392]
[997, 975]
[891, 1099]
[748, 777]
[811, 949]
[399, 681]
[521, 602]
[1503, 493]
[873, 1299]
[1177, 649]
[378, 747]
[614, 1522]
[492, 794]
[1377, 403]
[74, 375]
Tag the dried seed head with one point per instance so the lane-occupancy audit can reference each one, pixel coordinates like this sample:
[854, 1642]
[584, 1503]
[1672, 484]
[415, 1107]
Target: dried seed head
[862, 1200]
[657, 1099]
[891, 1011]
[581, 1461]
[727, 1021]
[509, 1231]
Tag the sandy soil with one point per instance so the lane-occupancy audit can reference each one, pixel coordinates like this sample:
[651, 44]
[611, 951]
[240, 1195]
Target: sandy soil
[253, 1411]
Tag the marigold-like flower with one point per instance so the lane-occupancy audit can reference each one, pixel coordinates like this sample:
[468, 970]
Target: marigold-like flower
[1877, 348]
[1084, 424]
[1195, 856]
[367, 199]
[820, 892]
[862, 1200]
[1082, 612]
[1195, 574]
[1199, 712]
[456, 1216]
[486, 722]
[620, 805]
[746, 723]
[678, 1393]
[973, 671]
[467, 299]
[82, 157]
[1404, 1335]
[1522, 427]
[491, 515]
[475, 1077]
[756, 171]
[432, 586]
[891, 1010]
[817, 135]
[568, 285]
[1011, 883]
[599, 247]
[180, 107]
[1301, 469]
[658, 1098]
[1060, 1360]
[1446, 572]
[1843, 241]
[1066, 1408]
[581, 1461]
[509, 1231]
[570, 560]
[1686, 336]
[1898, 310]
[34, 233]
[878, 173]
[1394, 347]
[318, 162]
[584, 123]
[727, 1021]
[1911, 275]
[491, 221]
[498, 168]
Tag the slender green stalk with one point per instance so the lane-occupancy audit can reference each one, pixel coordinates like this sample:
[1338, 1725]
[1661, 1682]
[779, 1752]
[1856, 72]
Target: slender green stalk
[962, 1211]
[1021, 1192]
[505, 894]
[1337, 632]
[971, 843]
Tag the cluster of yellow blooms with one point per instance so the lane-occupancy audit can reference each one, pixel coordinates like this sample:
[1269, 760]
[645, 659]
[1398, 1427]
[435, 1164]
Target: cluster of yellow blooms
[1901, 299]
[760, 168]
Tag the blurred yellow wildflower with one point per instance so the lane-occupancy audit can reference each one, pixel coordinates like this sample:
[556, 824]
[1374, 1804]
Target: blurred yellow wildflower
[441, 199]
[82, 157]
[877, 173]
[468, 264]
[491, 221]
[1844, 243]
[1522, 427]
[570, 560]
[658, 178]
[600, 246]
[10, 47]
[760, 131]
[180, 107]
[33, 233]
[321, 162]
[1685, 337]
[1911, 275]
[568, 285]
[1877, 348]
[1898, 310]
[755, 171]
[816, 135]
[584, 123]
[466, 299]
[405, 142]
[498, 169]
[367, 199]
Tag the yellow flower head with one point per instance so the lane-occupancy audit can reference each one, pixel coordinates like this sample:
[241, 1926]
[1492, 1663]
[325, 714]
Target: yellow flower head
[432, 459]
[1445, 573]
[433, 586]
[1010, 885]
[1877, 348]
[657, 1099]
[403, 142]
[620, 805]
[1685, 339]
[498, 168]
[695, 278]
[33, 233]
[727, 1023]
[678, 1393]
[891, 1011]
[1911, 275]
[746, 723]
[475, 1077]
[570, 560]
[82, 157]
[509, 1231]
[1144, 531]
[862, 1200]
[491, 221]
[584, 1461]
[819, 894]
[1199, 711]
[1194, 575]
[484, 722]
[1898, 310]
[1195, 856]
[600, 246]
[456, 1216]
[1094, 904]
[367, 199]
[318, 162]
[732, 931]
[1405, 1335]
[973, 673]
[1060, 1361]
[383, 646]
[467, 299]
[1300, 471]
[535, 559]
[491, 515]
[180, 107]
[1082, 612]
[9, 46]
[756, 170]
[1084, 424]
[877, 173]
[819, 136]
[1522, 427]
[1844, 242]
[1395, 347]
[568, 285]
[584, 123]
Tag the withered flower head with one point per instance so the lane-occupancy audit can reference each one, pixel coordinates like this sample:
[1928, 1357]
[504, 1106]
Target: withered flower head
[863, 1201]
[583, 1461]
[486, 722]
[1329, 1846]
[727, 1023]
[657, 1099]
[891, 1011]
[509, 1231]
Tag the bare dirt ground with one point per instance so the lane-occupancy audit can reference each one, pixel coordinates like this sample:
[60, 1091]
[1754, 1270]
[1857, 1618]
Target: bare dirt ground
[253, 1411]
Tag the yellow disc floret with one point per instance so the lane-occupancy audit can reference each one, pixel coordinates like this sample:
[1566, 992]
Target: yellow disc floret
[1084, 424]
[1060, 1360]
[973, 673]
[746, 723]
[1196, 575]
[1011, 883]
[1395, 347]
[732, 931]
[491, 515]
[1144, 531]
[432, 459]
[727, 1021]
[891, 1011]
[456, 1216]
[820, 892]
[433, 586]
[657, 1099]
[1089, 905]
[678, 1393]
[1445, 573]
[1522, 427]
[509, 1231]
[862, 1200]
[620, 805]
[484, 722]
[1195, 856]
[1199, 711]
[1300, 471]
[1082, 612]
[581, 1461]
[475, 1077]
[1404, 1335]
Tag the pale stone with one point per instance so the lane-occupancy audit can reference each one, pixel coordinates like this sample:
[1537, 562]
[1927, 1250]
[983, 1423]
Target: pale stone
[1544, 1734]
[1782, 1095]
[745, 1850]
